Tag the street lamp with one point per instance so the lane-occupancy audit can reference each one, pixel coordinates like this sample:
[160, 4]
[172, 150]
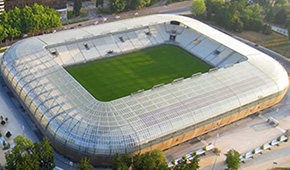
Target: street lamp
[274, 163]
[23, 129]
[217, 135]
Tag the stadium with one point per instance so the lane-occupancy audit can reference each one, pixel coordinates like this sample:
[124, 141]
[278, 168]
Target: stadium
[69, 82]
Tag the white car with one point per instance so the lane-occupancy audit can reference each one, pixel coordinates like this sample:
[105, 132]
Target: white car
[104, 19]
[117, 17]
[24, 35]
[96, 22]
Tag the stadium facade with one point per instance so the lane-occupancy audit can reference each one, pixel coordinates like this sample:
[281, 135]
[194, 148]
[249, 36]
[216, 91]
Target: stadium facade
[243, 81]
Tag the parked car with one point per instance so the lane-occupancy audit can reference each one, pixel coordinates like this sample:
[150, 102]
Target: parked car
[96, 22]
[24, 35]
[117, 17]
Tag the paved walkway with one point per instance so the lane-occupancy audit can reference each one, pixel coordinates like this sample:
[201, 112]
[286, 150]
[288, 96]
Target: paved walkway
[17, 123]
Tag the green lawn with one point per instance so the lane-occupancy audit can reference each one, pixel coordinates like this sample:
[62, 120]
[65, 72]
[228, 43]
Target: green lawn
[111, 78]
[3, 50]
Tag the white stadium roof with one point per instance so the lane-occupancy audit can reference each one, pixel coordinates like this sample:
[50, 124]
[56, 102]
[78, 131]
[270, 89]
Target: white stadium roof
[73, 117]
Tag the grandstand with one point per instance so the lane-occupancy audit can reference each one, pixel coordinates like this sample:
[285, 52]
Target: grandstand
[242, 82]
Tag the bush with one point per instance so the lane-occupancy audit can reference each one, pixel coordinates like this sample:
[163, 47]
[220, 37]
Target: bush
[3, 122]
[262, 147]
[279, 138]
[253, 151]
[173, 162]
[184, 157]
[204, 148]
[0, 135]
[8, 134]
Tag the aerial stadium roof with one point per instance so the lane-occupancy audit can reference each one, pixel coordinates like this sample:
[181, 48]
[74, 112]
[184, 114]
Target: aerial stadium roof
[73, 117]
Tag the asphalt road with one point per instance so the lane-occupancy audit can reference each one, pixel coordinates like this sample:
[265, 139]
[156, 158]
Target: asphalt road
[175, 8]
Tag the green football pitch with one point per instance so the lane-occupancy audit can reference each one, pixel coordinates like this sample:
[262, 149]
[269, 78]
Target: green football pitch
[111, 78]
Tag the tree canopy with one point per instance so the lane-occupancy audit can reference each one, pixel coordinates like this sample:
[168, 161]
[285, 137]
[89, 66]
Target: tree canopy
[77, 7]
[153, 160]
[30, 156]
[85, 164]
[233, 159]
[198, 7]
[277, 12]
[234, 15]
[27, 20]
[125, 5]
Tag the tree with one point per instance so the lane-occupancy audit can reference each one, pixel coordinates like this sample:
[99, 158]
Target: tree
[251, 19]
[99, 3]
[3, 34]
[264, 3]
[281, 2]
[194, 164]
[237, 25]
[14, 26]
[126, 158]
[154, 160]
[77, 7]
[17, 157]
[233, 159]
[118, 5]
[269, 14]
[118, 164]
[158, 157]
[138, 4]
[213, 7]
[281, 17]
[198, 7]
[46, 155]
[267, 29]
[36, 155]
[28, 20]
[85, 164]
[26, 163]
